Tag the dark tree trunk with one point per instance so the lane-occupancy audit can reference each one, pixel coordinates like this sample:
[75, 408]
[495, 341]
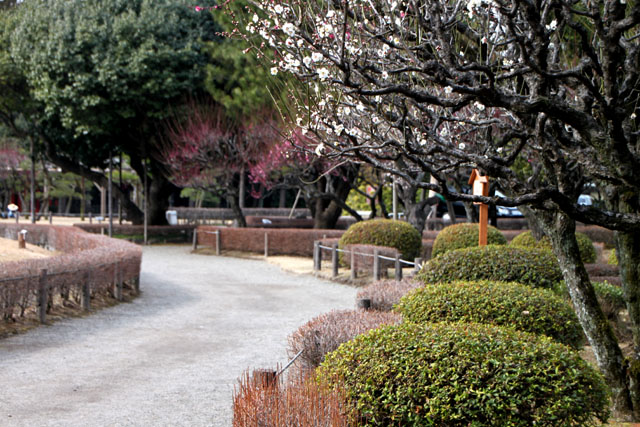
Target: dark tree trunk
[561, 230]
[451, 211]
[134, 213]
[232, 200]
[533, 222]
[159, 191]
[328, 198]
[628, 254]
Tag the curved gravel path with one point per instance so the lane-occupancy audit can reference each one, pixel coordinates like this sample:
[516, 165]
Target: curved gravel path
[169, 358]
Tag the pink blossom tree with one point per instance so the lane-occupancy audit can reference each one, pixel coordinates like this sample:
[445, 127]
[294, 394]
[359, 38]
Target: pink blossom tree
[206, 149]
[323, 183]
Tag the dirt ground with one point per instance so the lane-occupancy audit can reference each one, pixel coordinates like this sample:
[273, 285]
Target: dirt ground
[57, 220]
[9, 251]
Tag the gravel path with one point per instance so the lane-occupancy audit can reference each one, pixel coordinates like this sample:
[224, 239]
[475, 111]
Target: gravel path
[169, 358]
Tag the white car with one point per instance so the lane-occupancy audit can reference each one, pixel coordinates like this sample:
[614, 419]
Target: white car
[507, 211]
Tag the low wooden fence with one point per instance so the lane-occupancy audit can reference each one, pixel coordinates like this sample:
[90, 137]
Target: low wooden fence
[376, 254]
[90, 264]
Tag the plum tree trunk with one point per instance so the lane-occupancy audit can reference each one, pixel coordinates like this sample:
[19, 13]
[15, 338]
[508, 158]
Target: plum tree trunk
[561, 230]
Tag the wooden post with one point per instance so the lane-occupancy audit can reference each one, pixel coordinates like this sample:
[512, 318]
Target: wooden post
[90, 217]
[481, 188]
[316, 252]
[217, 242]
[195, 239]
[334, 260]
[354, 272]
[22, 244]
[50, 217]
[364, 303]
[484, 222]
[376, 265]
[115, 280]
[264, 378]
[17, 217]
[86, 292]
[119, 283]
[266, 245]
[43, 296]
[418, 265]
[398, 268]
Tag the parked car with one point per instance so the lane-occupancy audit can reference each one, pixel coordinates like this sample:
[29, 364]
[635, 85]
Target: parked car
[507, 211]
[585, 199]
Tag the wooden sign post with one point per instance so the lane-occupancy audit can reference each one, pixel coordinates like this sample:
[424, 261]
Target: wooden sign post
[481, 188]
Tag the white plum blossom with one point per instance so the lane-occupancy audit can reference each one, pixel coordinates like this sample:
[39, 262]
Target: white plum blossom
[274, 71]
[289, 29]
[462, 146]
[448, 90]
[480, 106]
[323, 73]
[385, 75]
[552, 25]
[307, 61]
[319, 149]
[278, 9]
[316, 56]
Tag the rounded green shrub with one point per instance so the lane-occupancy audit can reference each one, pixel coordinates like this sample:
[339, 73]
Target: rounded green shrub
[539, 311]
[464, 374]
[611, 298]
[385, 232]
[535, 267]
[613, 259]
[585, 245]
[464, 235]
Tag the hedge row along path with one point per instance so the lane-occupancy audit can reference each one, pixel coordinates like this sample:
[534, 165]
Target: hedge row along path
[170, 357]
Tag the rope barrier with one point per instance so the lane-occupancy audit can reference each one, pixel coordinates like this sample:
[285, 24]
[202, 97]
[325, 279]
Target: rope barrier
[346, 251]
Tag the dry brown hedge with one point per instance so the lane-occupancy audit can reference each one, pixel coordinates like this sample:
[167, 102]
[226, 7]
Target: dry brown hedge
[326, 332]
[87, 258]
[384, 294]
[299, 401]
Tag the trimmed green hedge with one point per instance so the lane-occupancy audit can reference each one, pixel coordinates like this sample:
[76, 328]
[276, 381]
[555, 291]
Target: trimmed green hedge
[464, 235]
[527, 309]
[464, 375]
[587, 250]
[385, 232]
[535, 267]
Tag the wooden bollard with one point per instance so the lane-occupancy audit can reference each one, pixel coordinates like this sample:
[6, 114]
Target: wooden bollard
[195, 239]
[86, 292]
[376, 265]
[364, 303]
[266, 245]
[354, 272]
[43, 296]
[264, 377]
[90, 218]
[17, 217]
[398, 267]
[317, 256]
[22, 243]
[418, 265]
[334, 260]
[50, 217]
[114, 285]
[136, 284]
[119, 283]
[218, 242]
